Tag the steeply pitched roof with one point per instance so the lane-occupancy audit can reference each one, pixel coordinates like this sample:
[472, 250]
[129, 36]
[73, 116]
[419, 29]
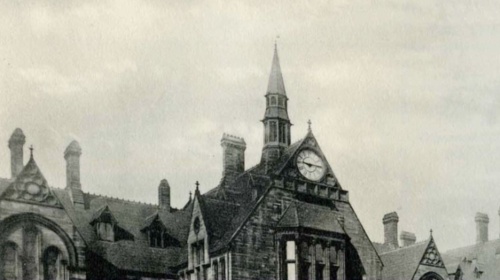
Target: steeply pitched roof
[136, 254]
[312, 216]
[402, 263]
[276, 84]
[483, 257]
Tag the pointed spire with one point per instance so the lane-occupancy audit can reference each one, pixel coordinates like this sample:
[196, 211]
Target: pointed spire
[276, 84]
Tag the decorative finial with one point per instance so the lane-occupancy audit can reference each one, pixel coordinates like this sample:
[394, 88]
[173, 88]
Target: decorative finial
[276, 42]
[431, 232]
[31, 151]
[309, 125]
[197, 185]
[190, 194]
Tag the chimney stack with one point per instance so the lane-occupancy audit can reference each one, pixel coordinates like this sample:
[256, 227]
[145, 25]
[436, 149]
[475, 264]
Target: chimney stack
[16, 143]
[72, 157]
[482, 221]
[390, 221]
[233, 158]
[407, 238]
[164, 195]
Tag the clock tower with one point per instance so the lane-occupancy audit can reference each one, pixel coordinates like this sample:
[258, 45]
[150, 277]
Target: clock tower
[276, 122]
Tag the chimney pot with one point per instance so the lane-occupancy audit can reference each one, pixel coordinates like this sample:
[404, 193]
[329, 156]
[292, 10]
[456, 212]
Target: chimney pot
[390, 222]
[407, 238]
[482, 221]
[16, 143]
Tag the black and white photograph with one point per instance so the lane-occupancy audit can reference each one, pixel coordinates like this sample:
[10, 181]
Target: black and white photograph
[250, 140]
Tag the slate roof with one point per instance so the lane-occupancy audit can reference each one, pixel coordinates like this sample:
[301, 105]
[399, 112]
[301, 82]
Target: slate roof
[402, 263]
[310, 216]
[483, 257]
[276, 84]
[130, 255]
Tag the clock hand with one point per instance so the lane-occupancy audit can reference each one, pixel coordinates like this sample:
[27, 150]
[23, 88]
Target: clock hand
[310, 164]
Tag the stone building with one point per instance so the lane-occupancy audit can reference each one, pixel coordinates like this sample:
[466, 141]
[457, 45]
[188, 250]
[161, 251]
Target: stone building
[288, 217]
[411, 261]
[478, 261]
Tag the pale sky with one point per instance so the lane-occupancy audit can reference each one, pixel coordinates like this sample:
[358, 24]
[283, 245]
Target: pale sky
[403, 97]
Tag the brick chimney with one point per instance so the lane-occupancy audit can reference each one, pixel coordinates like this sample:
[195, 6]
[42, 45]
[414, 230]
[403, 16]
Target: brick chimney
[164, 195]
[233, 156]
[16, 143]
[390, 221]
[482, 221]
[72, 157]
[407, 238]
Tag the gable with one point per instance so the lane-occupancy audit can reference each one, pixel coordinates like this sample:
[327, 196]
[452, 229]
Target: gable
[432, 257]
[287, 166]
[197, 228]
[30, 186]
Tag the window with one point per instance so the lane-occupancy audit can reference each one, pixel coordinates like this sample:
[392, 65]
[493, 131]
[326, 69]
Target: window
[215, 266]
[282, 133]
[290, 260]
[274, 131]
[319, 271]
[273, 101]
[53, 267]
[222, 269]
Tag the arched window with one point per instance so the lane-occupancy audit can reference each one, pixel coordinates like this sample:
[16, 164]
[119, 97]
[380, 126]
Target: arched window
[274, 131]
[431, 276]
[9, 261]
[54, 267]
[273, 101]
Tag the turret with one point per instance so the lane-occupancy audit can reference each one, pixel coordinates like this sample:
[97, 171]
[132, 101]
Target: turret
[276, 122]
[16, 143]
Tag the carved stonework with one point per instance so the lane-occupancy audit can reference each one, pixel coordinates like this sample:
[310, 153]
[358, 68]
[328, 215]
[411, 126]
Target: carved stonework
[31, 186]
[432, 256]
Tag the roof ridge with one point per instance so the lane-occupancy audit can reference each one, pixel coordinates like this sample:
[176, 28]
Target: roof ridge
[423, 242]
[122, 199]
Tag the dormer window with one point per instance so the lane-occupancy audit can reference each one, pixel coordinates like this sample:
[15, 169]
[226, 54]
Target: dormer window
[107, 228]
[158, 236]
[105, 231]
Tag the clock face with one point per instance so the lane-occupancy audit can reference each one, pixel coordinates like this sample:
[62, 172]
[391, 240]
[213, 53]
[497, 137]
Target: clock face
[311, 165]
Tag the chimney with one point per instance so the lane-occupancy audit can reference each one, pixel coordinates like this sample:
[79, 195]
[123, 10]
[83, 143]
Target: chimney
[390, 221]
[164, 195]
[16, 143]
[233, 158]
[72, 157]
[407, 238]
[482, 221]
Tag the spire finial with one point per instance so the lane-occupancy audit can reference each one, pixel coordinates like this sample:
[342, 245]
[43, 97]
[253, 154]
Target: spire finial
[190, 194]
[309, 126]
[431, 232]
[197, 185]
[276, 42]
[31, 151]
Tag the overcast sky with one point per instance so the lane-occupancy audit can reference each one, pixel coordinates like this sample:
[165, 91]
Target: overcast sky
[403, 97]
